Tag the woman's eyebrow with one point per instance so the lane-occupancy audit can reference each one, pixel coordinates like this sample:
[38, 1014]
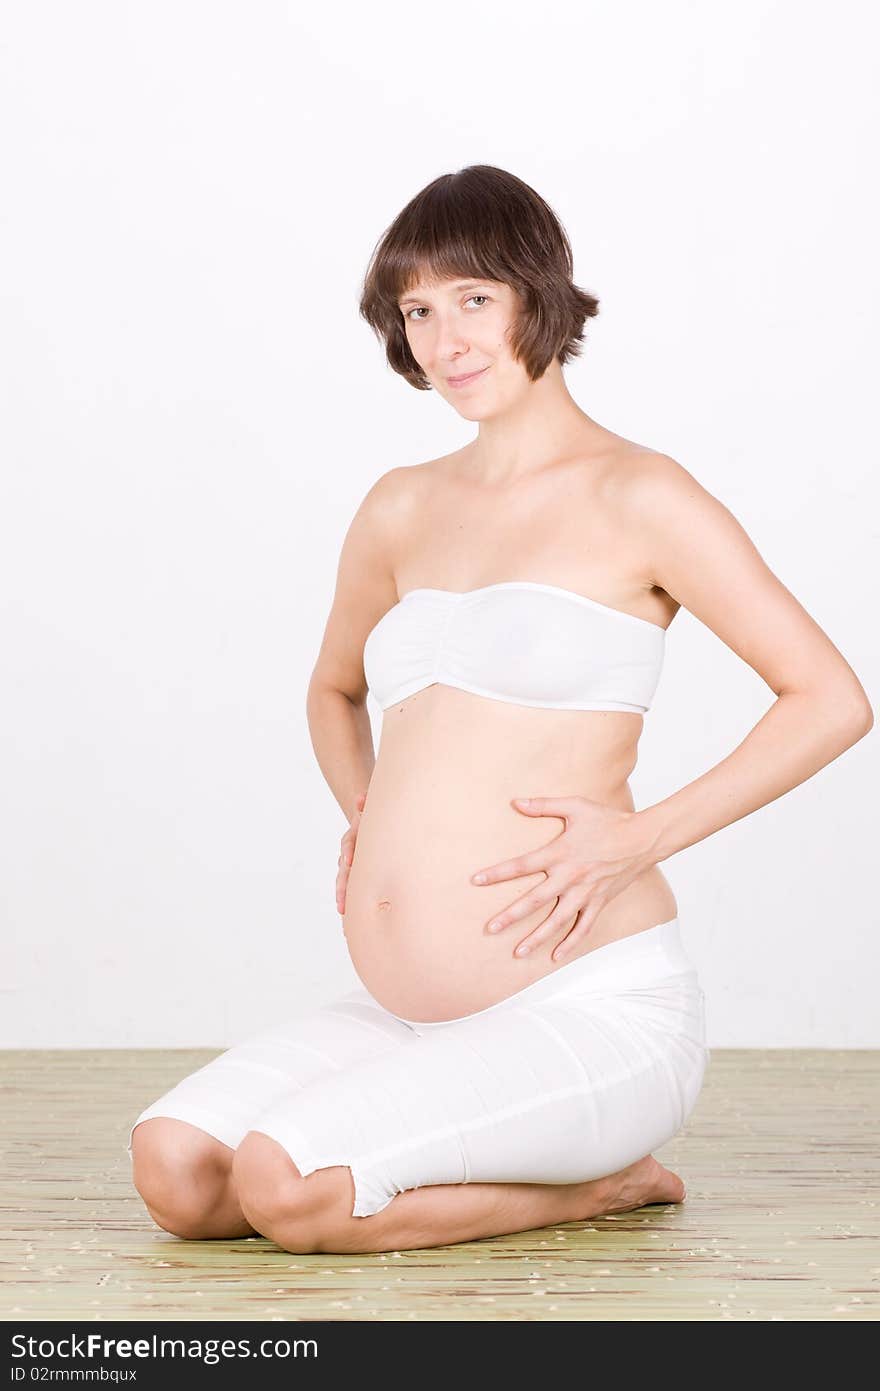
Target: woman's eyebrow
[462, 285]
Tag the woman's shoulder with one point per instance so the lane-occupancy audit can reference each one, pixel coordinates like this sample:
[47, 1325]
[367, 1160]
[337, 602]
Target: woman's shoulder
[640, 482]
[627, 474]
[406, 485]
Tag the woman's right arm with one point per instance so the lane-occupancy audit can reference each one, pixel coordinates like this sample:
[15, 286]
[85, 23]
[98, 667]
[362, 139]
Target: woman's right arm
[336, 705]
[343, 744]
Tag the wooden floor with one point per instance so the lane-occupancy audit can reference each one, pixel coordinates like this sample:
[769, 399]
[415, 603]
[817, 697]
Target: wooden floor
[781, 1159]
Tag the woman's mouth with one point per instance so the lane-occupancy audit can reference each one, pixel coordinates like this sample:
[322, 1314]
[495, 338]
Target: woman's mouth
[467, 379]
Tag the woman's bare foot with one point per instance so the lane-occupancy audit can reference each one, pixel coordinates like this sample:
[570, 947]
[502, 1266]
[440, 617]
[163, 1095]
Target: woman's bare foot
[646, 1181]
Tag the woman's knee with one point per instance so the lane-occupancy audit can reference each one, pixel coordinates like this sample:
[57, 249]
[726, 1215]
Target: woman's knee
[181, 1173]
[274, 1197]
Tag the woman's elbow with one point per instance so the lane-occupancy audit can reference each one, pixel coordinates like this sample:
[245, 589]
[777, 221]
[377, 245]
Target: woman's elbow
[853, 709]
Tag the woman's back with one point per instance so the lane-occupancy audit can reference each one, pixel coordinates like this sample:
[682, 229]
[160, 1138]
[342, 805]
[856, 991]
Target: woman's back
[536, 572]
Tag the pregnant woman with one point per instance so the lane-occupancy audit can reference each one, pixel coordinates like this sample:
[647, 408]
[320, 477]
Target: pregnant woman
[528, 1027]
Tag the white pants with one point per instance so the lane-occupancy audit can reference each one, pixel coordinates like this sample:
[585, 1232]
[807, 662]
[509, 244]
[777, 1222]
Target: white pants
[577, 1075]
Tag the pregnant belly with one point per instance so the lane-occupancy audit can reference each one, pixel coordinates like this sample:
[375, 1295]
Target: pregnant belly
[437, 809]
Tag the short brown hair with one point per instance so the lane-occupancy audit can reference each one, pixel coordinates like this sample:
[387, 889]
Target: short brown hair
[480, 222]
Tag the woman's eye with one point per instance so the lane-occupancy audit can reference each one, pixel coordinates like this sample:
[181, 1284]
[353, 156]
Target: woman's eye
[419, 308]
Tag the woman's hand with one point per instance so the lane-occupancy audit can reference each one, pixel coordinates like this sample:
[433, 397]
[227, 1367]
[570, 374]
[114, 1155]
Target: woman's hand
[601, 850]
[346, 852]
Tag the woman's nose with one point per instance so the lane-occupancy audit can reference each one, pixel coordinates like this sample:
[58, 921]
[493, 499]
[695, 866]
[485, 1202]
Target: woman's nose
[450, 344]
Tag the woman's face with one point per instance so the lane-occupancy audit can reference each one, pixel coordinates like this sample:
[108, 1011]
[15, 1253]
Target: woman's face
[457, 327]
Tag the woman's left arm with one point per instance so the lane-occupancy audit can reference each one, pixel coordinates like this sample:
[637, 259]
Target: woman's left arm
[702, 556]
[699, 553]
[800, 733]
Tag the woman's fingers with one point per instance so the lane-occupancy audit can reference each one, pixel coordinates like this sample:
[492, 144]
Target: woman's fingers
[345, 861]
[561, 916]
[534, 862]
[522, 907]
[580, 929]
[341, 888]
[346, 853]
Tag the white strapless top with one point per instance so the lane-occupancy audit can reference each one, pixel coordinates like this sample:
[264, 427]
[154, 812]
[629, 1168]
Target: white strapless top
[518, 641]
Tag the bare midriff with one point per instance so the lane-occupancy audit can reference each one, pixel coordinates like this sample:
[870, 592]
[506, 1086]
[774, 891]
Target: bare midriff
[438, 808]
[449, 762]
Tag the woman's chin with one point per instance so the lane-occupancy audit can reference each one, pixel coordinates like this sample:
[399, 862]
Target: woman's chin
[473, 411]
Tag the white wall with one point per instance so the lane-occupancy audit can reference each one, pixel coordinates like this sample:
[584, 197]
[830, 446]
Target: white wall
[194, 410]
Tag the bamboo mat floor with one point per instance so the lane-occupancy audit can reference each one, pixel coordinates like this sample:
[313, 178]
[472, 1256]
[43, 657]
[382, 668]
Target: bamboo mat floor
[781, 1160]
